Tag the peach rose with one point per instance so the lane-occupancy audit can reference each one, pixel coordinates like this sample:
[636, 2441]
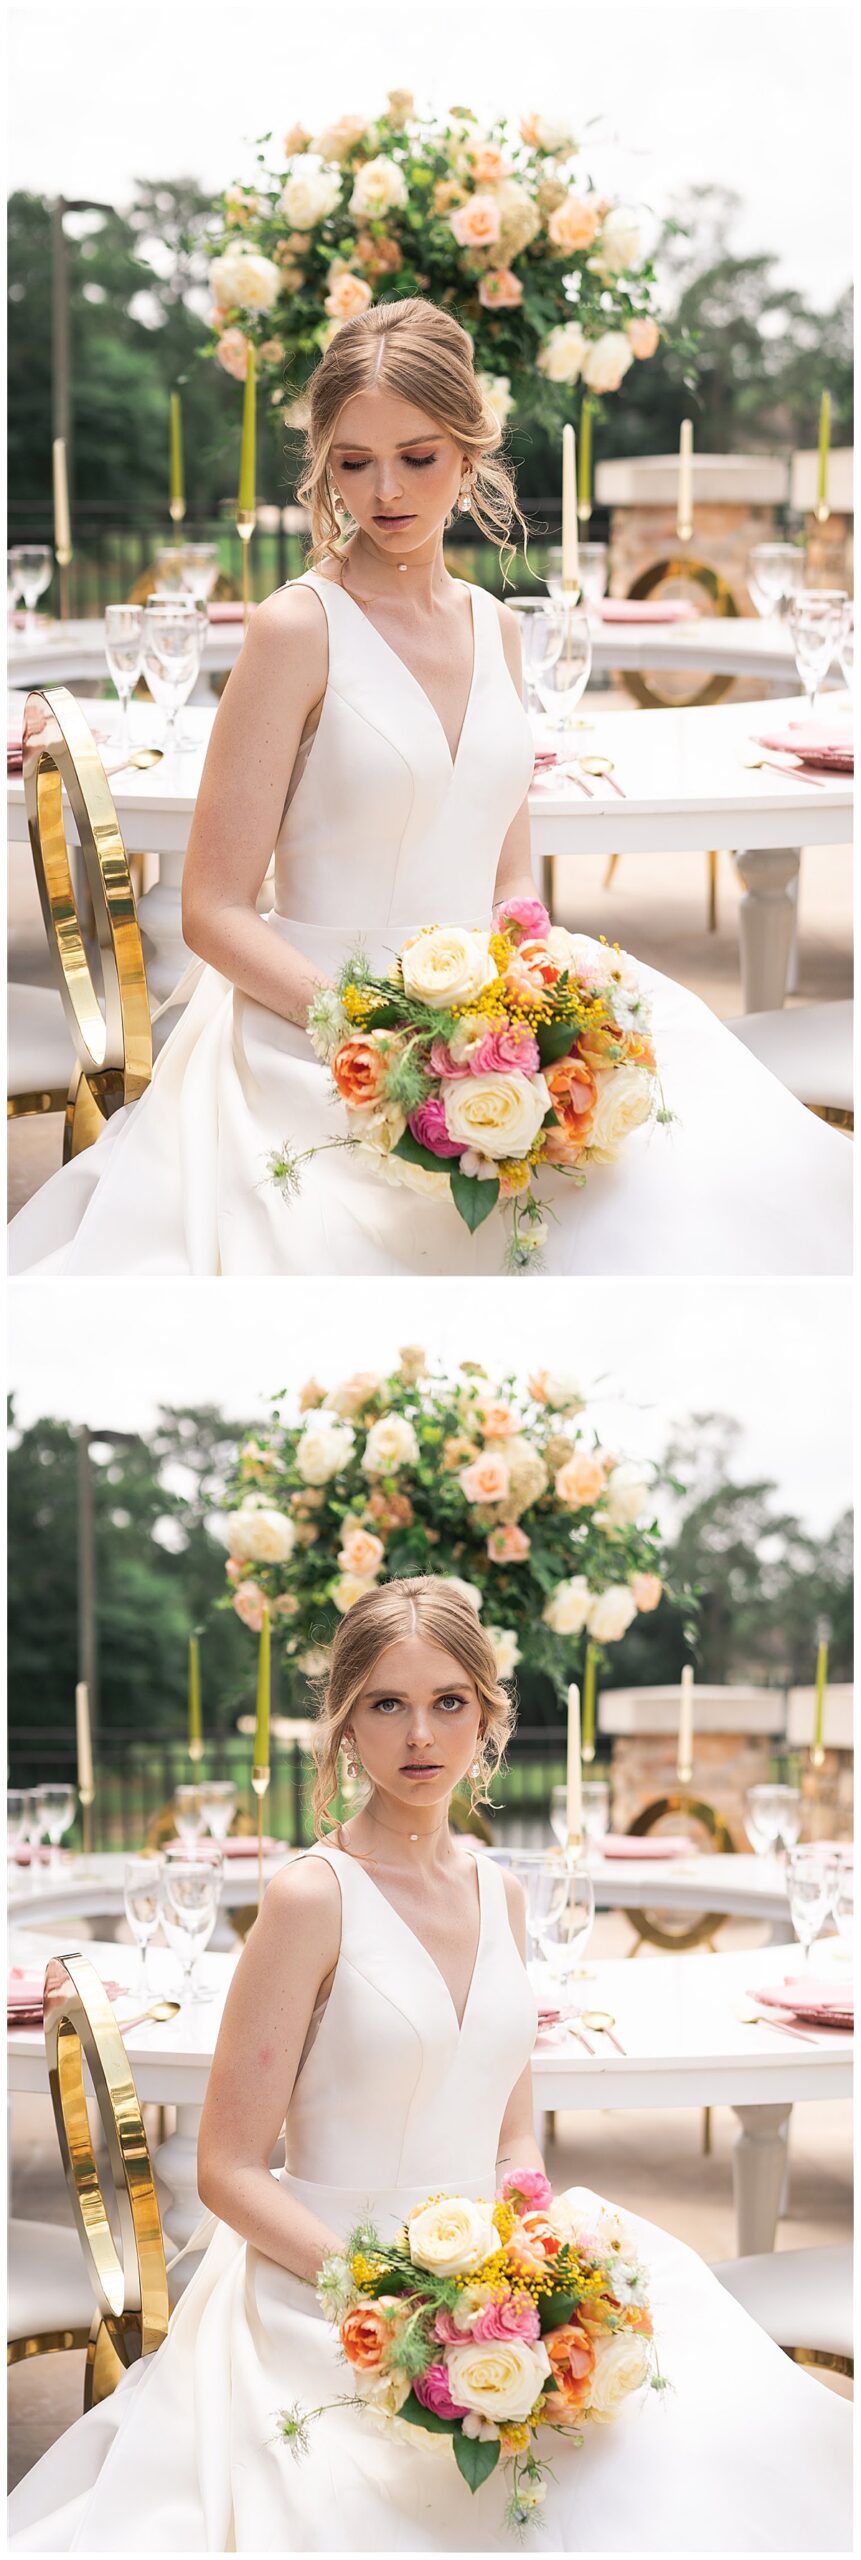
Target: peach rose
[573, 225]
[448, 191]
[365, 2336]
[487, 1479]
[392, 1510]
[358, 1068]
[573, 1091]
[498, 1421]
[476, 223]
[530, 973]
[487, 164]
[508, 1544]
[530, 2244]
[248, 1601]
[348, 296]
[572, 2357]
[361, 1553]
[232, 353]
[643, 337]
[457, 1452]
[646, 1589]
[580, 1481]
[500, 289]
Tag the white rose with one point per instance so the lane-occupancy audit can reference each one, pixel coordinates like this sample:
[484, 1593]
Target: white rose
[468, 1590]
[349, 1588]
[497, 394]
[620, 239]
[547, 133]
[243, 280]
[391, 1443]
[323, 1448]
[498, 2379]
[310, 193]
[561, 357]
[519, 217]
[611, 1613]
[567, 1610]
[625, 1099]
[256, 1536]
[625, 1496]
[606, 361]
[506, 1650]
[499, 1115]
[621, 2366]
[448, 965]
[414, 1177]
[315, 1660]
[353, 1393]
[563, 1392]
[380, 185]
[453, 2236]
[339, 138]
[384, 2391]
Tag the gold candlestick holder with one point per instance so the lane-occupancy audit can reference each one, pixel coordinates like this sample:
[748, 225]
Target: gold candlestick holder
[684, 528]
[87, 1796]
[260, 1783]
[684, 1772]
[822, 511]
[573, 1848]
[246, 519]
[63, 559]
[584, 513]
[587, 1752]
[176, 510]
[195, 1750]
[817, 1755]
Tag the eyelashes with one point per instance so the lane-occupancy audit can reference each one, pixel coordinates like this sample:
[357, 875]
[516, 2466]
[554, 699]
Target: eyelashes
[451, 1701]
[414, 462]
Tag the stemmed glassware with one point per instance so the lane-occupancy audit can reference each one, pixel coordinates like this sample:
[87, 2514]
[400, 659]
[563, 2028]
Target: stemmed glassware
[810, 1889]
[843, 1898]
[595, 1798]
[540, 639]
[218, 1801]
[190, 1895]
[188, 1813]
[775, 573]
[561, 681]
[172, 650]
[124, 638]
[16, 1819]
[56, 1805]
[142, 1881]
[817, 620]
[846, 653]
[32, 563]
[563, 1935]
[762, 1818]
[199, 569]
[592, 563]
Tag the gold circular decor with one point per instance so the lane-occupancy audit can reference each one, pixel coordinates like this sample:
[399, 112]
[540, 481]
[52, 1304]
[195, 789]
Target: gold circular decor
[669, 573]
[112, 1033]
[131, 2291]
[692, 1933]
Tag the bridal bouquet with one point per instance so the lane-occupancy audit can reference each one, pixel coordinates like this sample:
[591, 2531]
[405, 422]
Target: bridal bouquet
[483, 2323]
[486, 1058]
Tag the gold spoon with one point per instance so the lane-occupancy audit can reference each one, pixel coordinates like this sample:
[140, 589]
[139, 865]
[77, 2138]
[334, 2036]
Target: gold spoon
[602, 2021]
[143, 757]
[603, 768]
[755, 762]
[159, 2010]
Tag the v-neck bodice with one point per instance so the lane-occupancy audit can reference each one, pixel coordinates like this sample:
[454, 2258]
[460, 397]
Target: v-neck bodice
[394, 2093]
[385, 831]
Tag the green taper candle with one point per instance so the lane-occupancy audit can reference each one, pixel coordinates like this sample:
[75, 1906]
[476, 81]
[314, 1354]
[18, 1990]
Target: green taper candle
[821, 1679]
[584, 460]
[248, 468]
[587, 1739]
[177, 484]
[824, 445]
[264, 1685]
[195, 1721]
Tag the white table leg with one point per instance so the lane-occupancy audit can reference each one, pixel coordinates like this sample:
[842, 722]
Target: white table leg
[793, 966]
[176, 2180]
[758, 2175]
[160, 919]
[766, 924]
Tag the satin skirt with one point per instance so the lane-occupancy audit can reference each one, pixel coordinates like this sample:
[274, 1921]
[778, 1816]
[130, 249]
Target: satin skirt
[743, 2452]
[743, 1180]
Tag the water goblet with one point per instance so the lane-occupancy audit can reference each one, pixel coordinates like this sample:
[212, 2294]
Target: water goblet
[124, 634]
[592, 563]
[188, 1813]
[34, 566]
[846, 653]
[191, 1888]
[561, 681]
[14, 590]
[789, 1816]
[142, 1904]
[540, 639]
[218, 1799]
[200, 569]
[817, 620]
[16, 1819]
[775, 573]
[56, 1805]
[563, 1935]
[843, 1901]
[544, 1877]
[172, 651]
[762, 1818]
[809, 1895]
[169, 567]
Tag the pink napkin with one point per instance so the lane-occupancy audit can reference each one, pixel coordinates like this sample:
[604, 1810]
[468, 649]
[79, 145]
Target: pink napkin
[802, 1996]
[641, 609]
[619, 1844]
[248, 1848]
[24, 1855]
[813, 743]
[229, 609]
[24, 1997]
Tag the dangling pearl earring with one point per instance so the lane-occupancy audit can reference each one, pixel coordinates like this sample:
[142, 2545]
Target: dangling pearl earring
[465, 500]
[354, 1763]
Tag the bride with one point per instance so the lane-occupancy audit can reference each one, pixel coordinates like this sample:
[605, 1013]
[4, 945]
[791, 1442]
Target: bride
[373, 733]
[383, 2005]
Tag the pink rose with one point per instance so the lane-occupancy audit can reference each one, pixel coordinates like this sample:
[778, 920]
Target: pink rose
[442, 1062]
[486, 1480]
[508, 1544]
[646, 1589]
[232, 352]
[248, 1602]
[428, 1125]
[503, 1049]
[476, 224]
[431, 2388]
[446, 2329]
[516, 2318]
[500, 289]
[528, 914]
[527, 2186]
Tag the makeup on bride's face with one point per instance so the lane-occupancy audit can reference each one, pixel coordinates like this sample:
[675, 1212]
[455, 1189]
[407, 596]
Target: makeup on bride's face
[416, 1721]
[396, 471]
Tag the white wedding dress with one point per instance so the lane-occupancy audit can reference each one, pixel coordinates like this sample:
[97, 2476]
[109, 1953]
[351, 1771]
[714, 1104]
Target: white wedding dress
[744, 2452]
[381, 834]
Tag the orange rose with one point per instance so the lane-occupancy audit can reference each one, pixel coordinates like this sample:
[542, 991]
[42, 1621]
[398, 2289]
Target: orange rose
[574, 1093]
[643, 337]
[348, 296]
[359, 1068]
[498, 1421]
[365, 2336]
[572, 2357]
[573, 224]
[361, 1553]
[646, 1589]
[392, 1510]
[487, 164]
[500, 289]
[636, 2316]
[581, 1480]
[532, 2241]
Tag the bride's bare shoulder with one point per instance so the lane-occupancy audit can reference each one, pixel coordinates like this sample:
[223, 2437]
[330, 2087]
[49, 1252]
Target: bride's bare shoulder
[292, 618]
[304, 1899]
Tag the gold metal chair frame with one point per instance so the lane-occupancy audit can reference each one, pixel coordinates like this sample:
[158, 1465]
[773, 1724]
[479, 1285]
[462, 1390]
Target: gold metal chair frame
[668, 573]
[699, 1932]
[114, 1044]
[823, 2356]
[132, 2307]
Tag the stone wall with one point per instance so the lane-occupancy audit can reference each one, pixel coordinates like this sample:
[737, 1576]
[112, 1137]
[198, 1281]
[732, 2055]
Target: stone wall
[725, 1765]
[723, 537]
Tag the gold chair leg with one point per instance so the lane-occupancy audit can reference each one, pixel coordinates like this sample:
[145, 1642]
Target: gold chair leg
[707, 2133]
[712, 861]
[607, 881]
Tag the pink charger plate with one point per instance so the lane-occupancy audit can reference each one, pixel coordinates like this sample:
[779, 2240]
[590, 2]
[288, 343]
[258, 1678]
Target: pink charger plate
[802, 1996]
[812, 743]
[619, 1844]
[641, 609]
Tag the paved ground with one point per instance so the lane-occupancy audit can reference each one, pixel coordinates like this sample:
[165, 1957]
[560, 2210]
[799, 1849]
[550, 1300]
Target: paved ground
[649, 2163]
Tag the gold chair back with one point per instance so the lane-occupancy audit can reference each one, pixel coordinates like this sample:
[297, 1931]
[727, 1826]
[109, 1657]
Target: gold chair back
[132, 2308]
[671, 575]
[682, 1934]
[113, 1036]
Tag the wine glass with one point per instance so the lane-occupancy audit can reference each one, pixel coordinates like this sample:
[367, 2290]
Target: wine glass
[172, 651]
[200, 569]
[789, 1815]
[124, 635]
[142, 1904]
[544, 1877]
[540, 638]
[16, 1819]
[14, 589]
[33, 564]
[188, 1813]
[592, 559]
[775, 573]
[762, 1818]
[191, 1889]
[57, 1808]
[809, 1887]
[846, 652]
[817, 620]
[169, 568]
[843, 1900]
[563, 1935]
[218, 1799]
[561, 681]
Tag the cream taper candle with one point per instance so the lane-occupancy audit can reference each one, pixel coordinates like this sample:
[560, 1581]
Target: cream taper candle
[685, 501]
[62, 518]
[570, 550]
[84, 1740]
[685, 1756]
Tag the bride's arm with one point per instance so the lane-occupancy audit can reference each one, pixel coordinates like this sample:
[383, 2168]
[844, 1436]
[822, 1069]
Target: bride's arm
[514, 875]
[279, 675]
[292, 1948]
[518, 2148]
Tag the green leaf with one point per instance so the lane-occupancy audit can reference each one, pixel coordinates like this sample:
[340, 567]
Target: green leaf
[554, 1040]
[473, 1200]
[475, 2460]
[418, 2416]
[386, 1016]
[413, 1153]
[556, 2309]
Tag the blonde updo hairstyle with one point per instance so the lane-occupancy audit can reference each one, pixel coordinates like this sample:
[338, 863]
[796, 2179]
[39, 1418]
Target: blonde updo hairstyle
[422, 353]
[425, 1605]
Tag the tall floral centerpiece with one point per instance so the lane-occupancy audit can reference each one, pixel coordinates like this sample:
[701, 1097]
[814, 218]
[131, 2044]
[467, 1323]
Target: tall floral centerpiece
[499, 224]
[505, 1489]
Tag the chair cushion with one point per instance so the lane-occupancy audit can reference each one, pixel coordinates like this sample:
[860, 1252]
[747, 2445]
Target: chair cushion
[48, 2284]
[40, 1055]
[803, 2297]
[808, 1047]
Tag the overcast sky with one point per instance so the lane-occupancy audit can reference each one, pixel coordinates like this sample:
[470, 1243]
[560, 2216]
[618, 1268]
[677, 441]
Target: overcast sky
[775, 1358]
[752, 94]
